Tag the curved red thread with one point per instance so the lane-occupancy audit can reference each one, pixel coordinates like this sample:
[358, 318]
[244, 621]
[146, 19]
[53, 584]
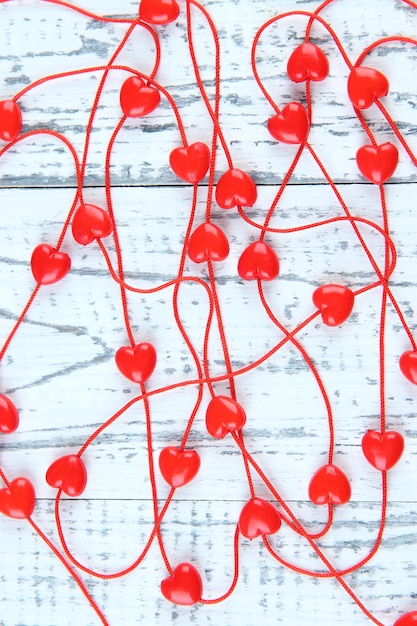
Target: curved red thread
[214, 316]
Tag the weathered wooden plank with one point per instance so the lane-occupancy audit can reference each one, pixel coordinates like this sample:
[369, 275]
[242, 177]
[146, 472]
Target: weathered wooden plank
[36, 587]
[65, 40]
[60, 367]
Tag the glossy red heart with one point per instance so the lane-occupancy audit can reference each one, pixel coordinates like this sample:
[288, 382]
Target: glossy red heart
[69, 474]
[307, 61]
[90, 222]
[158, 11]
[408, 365]
[259, 517]
[178, 468]
[409, 619]
[258, 261]
[137, 98]
[208, 242]
[184, 586]
[10, 120]
[224, 415]
[291, 125]
[136, 363]
[365, 85]
[382, 450]
[48, 265]
[377, 164]
[235, 188]
[335, 303]
[329, 485]
[18, 499]
[190, 164]
[9, 417]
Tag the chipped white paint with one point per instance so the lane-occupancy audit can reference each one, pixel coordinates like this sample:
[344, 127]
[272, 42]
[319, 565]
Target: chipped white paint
[60, 366]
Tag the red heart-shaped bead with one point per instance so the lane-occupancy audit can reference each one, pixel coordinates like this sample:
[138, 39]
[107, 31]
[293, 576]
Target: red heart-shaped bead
[18, 499]
[69, 474]
[307, 61]
[190, 164]
[48, 265]
[335, 303]
[377, 164]
[9, 417]
[137, 98]
[329, 485]
[90, 222]
[291, 125]
[408, 365]
[259, 517]
[382, 450]
[184, 586]
[365, 85]
[258, 261]
[136, 363]
[224, 415]
[10, 120]
[158, 11]
[208, 242]
[178, 468]
[409, 619]
[235, 187]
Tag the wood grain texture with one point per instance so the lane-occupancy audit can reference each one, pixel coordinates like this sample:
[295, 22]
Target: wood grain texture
[117, 530]
[60, 367]
[65, 40]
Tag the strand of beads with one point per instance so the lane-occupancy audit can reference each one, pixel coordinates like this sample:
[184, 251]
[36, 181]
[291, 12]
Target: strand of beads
[206, 245]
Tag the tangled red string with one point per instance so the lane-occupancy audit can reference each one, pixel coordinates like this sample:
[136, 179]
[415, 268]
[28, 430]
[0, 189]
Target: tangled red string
[207, 244]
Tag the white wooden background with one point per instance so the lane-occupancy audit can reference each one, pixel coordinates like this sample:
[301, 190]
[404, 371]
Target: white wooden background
[60, 367]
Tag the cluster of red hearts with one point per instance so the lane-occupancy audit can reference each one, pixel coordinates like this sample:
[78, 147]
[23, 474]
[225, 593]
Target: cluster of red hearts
[207, 244]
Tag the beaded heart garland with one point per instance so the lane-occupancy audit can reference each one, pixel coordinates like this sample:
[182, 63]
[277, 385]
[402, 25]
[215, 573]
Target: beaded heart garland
[206, 244]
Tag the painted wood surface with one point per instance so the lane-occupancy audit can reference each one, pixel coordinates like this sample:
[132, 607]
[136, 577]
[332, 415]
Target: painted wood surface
[60, 366]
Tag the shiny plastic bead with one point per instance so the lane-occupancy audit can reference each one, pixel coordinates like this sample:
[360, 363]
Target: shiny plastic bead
[382, 450]
[69, 474]
[408, 365]
[136, 363]
[138, 99]
[90, 222]
[335, 303]
[10, 120]
[49, 265]
[18, 499]
[184, 586]
[191, 163]
[208, 243]
[377, 163]
[329, 485]
[365, 85]
[307, 61]
[235, 188]
[259, 517]
[178, 467]
[224, 415]
[291, 126]
[409, 619]
[9, 417]
[258, 261]
[158, 12]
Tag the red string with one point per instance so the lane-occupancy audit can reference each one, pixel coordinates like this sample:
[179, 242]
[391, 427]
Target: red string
[204, 378]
